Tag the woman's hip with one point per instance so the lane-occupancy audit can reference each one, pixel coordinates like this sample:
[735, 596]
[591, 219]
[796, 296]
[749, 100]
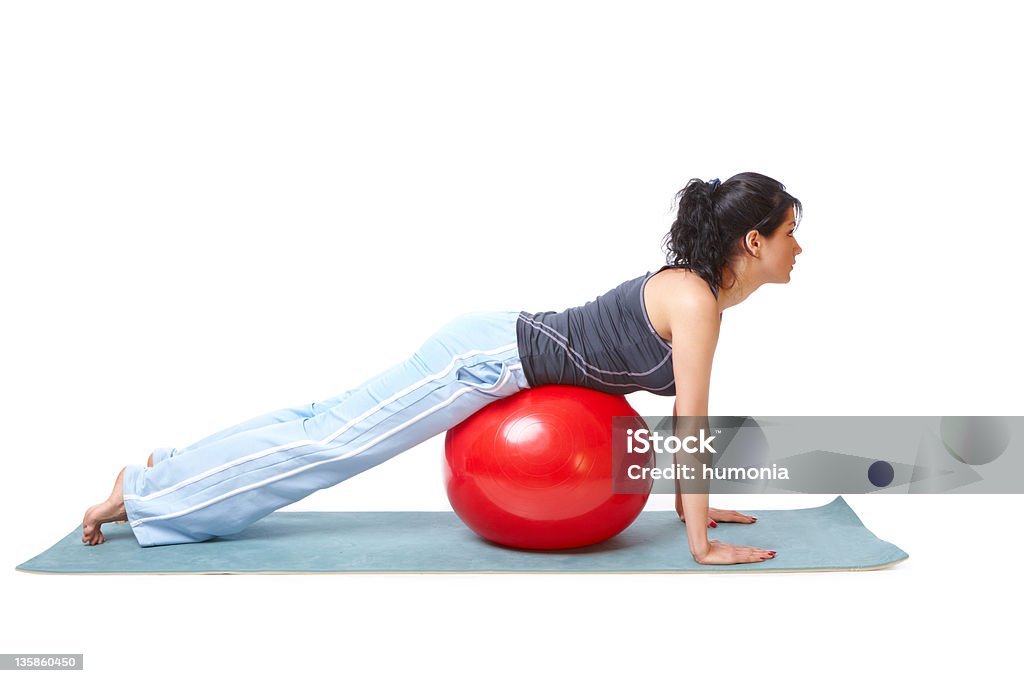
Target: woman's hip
[480, 348]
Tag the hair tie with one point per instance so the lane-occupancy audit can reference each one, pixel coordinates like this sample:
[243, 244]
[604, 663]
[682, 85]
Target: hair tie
[714, 184]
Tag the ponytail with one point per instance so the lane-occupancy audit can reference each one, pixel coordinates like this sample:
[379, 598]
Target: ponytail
[694, 239]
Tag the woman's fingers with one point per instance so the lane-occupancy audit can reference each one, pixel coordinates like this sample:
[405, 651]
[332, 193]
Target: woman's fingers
[730, 516]
[756, 554]
[726, 553]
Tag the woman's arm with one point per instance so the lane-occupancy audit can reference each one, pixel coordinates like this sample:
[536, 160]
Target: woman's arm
[695, 324]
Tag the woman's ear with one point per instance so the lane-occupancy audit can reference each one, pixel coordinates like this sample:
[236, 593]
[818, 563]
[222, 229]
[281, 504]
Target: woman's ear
[752, 243]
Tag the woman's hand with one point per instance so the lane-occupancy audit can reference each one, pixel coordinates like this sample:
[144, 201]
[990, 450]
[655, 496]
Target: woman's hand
[727, 553]
[715, 515]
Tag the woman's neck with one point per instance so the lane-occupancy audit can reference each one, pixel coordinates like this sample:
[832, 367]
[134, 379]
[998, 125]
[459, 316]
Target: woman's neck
[738, 283]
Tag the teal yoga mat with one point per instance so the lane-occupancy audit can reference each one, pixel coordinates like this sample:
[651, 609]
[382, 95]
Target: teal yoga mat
[826, 538]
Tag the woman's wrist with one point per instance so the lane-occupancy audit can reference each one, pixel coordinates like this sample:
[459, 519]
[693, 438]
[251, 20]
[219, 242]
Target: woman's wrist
[698, 540]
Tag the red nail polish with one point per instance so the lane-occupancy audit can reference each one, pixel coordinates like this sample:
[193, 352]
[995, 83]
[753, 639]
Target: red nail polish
[714, 524]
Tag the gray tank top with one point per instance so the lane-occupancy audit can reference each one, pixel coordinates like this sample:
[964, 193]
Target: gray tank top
[607, 344]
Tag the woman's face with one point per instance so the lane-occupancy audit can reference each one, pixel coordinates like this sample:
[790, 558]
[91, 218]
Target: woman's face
[779, 252]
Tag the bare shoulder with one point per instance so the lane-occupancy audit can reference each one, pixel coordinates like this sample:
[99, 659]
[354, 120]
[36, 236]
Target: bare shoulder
[678, 296]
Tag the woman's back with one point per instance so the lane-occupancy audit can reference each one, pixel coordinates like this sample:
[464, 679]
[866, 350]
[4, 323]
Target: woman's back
[610, 344]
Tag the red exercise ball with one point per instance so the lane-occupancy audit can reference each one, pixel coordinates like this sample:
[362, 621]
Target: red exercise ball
[534, 470]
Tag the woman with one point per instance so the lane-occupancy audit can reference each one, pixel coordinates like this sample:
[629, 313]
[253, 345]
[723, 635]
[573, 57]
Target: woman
[656, 332]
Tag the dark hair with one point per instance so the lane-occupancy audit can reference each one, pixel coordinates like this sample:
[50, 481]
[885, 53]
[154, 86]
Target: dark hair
[713, 218]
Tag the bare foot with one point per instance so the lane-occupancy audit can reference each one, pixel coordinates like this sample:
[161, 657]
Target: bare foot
[110, 510]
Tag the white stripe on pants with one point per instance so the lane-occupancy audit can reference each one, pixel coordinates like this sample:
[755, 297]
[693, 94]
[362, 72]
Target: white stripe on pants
[227, 481]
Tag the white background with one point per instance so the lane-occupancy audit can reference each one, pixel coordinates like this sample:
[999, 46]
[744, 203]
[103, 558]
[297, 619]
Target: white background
[212, 210]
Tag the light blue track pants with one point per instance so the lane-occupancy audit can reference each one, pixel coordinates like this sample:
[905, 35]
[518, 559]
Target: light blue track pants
[227, 481]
